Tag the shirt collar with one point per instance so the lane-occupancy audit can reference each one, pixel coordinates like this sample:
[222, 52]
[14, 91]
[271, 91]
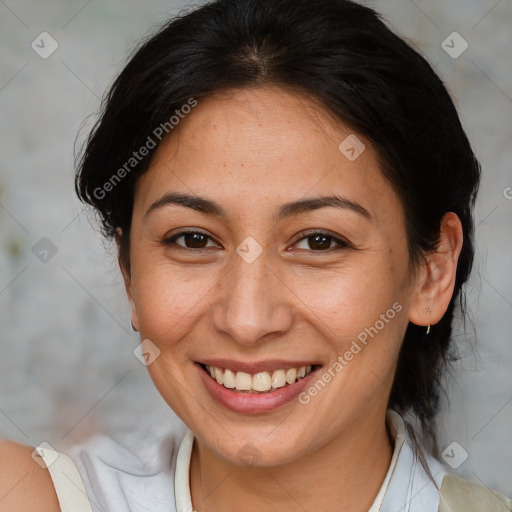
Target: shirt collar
[405, 482]
[396, 428]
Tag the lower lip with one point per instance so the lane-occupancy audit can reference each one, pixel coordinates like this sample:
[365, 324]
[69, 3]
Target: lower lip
[253, 403]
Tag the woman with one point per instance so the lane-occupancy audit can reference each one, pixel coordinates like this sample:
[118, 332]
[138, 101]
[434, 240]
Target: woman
[291, 194]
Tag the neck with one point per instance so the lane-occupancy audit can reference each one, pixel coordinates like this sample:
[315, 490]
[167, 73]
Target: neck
[347, 472]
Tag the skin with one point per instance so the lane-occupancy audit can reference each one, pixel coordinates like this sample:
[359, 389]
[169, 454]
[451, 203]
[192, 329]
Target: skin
[24, 485]
[251, 151]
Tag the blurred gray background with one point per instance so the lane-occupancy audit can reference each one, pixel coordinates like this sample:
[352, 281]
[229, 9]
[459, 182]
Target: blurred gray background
[66, 364]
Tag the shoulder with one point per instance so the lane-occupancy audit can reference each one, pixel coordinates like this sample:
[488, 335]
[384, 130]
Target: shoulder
[125, 471]
[460, 494]
[457, 494]
[425, 483]
[24, 484]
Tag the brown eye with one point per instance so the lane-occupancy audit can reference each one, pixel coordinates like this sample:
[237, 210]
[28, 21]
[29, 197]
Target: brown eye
[321, 242]
[191, 240]
[195, 240]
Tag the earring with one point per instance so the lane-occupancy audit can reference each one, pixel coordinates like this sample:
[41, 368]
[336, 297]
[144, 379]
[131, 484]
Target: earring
[428, 330]
[133, 328]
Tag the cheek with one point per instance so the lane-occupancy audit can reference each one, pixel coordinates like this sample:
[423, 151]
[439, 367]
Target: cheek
[344, 302]
[168, 300]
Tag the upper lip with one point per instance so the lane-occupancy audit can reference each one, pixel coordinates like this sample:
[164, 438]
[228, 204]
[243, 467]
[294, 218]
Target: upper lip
[254, 367]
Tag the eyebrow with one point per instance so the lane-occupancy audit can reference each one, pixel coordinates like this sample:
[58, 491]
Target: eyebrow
[210, 207]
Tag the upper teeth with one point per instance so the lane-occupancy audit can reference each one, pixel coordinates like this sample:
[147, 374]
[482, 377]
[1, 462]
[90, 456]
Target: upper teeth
[262, 381]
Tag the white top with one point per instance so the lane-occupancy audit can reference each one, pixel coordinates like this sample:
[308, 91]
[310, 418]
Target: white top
[151, 474]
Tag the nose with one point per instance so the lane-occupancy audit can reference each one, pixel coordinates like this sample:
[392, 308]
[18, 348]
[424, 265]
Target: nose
[254, 303]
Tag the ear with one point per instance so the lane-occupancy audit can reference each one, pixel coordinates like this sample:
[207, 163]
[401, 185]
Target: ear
[436, 280]
[127, 280]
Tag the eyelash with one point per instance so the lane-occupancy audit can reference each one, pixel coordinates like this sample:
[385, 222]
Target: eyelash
[342, 244]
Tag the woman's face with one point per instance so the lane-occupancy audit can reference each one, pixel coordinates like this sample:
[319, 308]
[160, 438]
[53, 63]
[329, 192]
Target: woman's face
[273, 278]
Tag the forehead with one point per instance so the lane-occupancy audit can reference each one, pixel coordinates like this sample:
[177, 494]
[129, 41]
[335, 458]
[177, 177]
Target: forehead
[260, 147]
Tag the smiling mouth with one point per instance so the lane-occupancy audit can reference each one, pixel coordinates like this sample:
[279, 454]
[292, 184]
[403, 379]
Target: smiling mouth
[261, 382]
